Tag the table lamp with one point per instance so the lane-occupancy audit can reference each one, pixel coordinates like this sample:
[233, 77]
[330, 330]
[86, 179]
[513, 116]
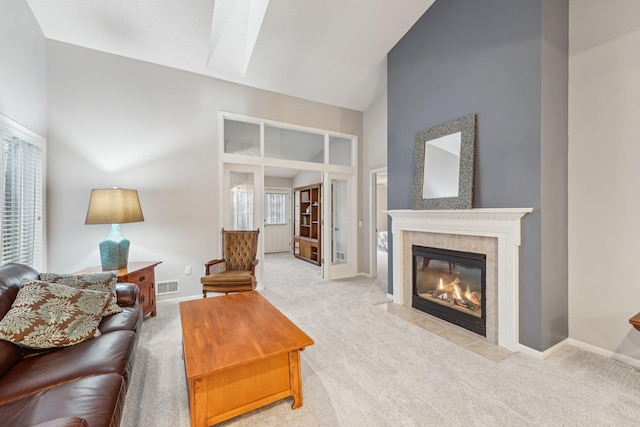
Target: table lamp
[114, 206]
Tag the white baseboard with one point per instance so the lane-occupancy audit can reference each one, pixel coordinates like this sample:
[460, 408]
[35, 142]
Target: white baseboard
[542, 354]
[606, 353]
[259, 287]
[583, 346]
[188, 298]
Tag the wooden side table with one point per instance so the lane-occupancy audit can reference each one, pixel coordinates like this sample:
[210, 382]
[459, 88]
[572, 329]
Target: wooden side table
[635, 321]
[139, 273]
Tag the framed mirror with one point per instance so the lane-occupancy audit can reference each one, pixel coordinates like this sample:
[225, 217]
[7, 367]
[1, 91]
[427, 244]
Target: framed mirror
[443, 165]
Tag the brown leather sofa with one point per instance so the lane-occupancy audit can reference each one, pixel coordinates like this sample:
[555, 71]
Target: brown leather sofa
[81, 385]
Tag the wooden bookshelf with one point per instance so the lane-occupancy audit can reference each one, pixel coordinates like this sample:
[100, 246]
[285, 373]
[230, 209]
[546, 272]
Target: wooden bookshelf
[307, 239]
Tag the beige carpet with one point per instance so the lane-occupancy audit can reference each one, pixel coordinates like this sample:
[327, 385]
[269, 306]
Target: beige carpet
[371, 367]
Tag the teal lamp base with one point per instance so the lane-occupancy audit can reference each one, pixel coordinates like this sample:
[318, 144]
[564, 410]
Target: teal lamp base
[114, 250]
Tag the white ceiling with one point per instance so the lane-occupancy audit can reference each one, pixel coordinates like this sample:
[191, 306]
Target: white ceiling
[330, 51]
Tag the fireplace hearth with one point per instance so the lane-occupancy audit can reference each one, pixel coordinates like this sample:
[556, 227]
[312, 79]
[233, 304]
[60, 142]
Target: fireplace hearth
[450, 285]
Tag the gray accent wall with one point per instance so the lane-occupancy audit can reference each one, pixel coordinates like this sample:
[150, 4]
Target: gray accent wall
[464, 57]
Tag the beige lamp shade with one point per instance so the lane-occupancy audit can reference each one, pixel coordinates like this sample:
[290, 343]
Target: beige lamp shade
[114, 206]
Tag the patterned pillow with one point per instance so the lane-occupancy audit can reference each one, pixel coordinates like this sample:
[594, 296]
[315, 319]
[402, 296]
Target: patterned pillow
[103, 282]
[47, 315]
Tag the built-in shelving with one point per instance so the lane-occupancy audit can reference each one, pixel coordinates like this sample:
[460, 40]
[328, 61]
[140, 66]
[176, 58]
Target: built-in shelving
[307, 232]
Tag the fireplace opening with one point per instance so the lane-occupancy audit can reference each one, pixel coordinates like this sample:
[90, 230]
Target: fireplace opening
[451, 285]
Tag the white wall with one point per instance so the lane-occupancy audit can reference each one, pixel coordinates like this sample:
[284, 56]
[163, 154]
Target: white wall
[374, 156]
[381, 206]
[604, 148]
[120, 122]
[23, 67]
[276, 182]
[306, 178]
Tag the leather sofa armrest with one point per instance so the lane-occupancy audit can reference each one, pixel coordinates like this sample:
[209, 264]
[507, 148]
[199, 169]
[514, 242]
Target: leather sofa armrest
[127, 294]
[64, 422]
[10, 354]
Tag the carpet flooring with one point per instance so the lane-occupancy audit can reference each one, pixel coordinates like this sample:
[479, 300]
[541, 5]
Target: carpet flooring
[375, 368]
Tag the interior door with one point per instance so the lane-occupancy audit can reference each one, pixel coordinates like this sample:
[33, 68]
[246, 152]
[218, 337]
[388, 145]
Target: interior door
[340, 226]
[277, 220]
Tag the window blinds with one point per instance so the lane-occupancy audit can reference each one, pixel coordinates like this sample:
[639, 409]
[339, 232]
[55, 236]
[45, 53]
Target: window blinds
[21, 203]
[276, 211]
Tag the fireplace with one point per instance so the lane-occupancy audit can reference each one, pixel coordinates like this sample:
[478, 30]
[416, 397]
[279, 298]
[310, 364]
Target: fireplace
[450, 285]
[495, 232]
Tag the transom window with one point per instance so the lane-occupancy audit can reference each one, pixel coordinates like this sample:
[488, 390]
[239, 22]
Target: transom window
[252, 137]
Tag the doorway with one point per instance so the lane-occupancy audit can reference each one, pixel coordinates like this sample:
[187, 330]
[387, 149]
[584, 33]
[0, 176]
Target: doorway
[257, 147]
[379, 231]
[277, 219]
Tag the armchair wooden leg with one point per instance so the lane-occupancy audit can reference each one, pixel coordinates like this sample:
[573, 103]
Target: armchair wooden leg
[204, 294]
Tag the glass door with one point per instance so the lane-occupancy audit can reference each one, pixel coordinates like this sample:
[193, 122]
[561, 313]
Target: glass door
[341, 227]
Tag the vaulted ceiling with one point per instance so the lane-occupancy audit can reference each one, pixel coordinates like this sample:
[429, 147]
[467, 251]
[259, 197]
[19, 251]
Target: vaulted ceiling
[329, 51]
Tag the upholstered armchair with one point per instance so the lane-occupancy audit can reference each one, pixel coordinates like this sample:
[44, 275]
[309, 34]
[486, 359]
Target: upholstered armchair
[236, 271]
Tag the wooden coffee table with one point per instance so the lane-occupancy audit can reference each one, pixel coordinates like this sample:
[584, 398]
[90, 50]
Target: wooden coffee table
[240, 353]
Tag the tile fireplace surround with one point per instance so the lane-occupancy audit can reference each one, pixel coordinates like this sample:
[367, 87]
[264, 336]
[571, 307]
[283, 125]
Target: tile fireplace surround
[459, 230]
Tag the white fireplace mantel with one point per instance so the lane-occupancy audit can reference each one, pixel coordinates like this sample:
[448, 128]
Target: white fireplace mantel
[501, 223]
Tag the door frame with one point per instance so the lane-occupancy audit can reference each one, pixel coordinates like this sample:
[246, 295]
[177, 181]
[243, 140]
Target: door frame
[373, 220]
[261, 162]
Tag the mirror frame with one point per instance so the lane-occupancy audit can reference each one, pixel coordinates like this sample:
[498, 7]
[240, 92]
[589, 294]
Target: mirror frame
[467, 127]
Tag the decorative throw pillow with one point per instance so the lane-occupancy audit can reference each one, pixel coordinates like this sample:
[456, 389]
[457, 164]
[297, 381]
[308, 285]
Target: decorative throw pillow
[103, 282]
[47, 315]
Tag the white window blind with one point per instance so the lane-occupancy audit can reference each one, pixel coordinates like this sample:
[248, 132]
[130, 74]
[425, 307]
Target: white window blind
[21, 205]
[276, 212]
[241, 200]
[242, 209]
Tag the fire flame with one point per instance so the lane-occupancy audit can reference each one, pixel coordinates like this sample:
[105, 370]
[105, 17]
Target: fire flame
[456, 289]
[452, 293]
[472, 296]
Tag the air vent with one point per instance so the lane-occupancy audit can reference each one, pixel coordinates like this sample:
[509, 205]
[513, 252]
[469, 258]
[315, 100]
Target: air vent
[168, 287]
[340, 255]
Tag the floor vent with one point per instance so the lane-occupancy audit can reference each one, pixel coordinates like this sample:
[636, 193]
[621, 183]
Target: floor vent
[168, 287]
